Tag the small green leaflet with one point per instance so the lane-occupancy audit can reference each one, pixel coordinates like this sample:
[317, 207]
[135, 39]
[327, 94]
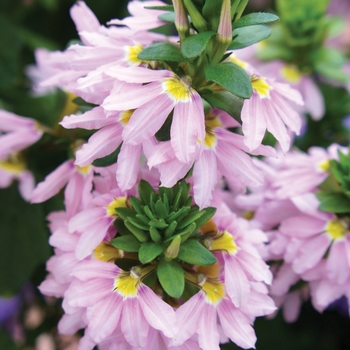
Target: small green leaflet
[171, 277]
[246, 36]
[254, 19]
[162, 52]
[194, 45]
[231, 77]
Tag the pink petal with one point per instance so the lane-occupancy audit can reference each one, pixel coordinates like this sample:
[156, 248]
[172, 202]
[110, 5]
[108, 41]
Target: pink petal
[302, 226]
[208, 335]
[101, 144]
[128, 166]
[236, 325]
[159, 314]
[147, 120]
[53, 183]
[133, 323]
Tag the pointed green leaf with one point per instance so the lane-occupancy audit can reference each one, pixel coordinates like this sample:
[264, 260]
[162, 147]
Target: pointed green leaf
[162, 8]
[158, 224]
[254, 19]
[167, 17]
[128, 243]
[194, 45]
[125, 213]
[155, 235]
[189, 218]
[225, 101]
[108, 160]
[145, 191]
[179, 214]
[335, 203]
[136, 204]
[193, 252]
[149, 251]
[138, 223]
[172, 278]
[162, 52]
[161, 210]
[171, 229]
[141, 235]
[163, 134]
[121, 228]
[209, 213]
[231, 77]
[246, 36]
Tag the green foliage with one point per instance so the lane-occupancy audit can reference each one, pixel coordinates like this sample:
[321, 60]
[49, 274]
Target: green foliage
[149, 251]
[231, 77]
[108, 160]
[162, 52]
[129, 243]
[255, 18]
[193, 252]
[171, 277]
[194, 45]
[246, 36]
[24, 240]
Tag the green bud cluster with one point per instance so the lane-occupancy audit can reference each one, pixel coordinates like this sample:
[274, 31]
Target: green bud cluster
[334, 195]
[162, 228]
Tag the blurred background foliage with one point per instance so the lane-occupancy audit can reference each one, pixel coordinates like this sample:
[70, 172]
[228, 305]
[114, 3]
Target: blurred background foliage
[26, 25]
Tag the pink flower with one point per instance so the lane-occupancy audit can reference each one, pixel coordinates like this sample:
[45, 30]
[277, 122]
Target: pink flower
[153, 102]
[17, 133]
[114, 297]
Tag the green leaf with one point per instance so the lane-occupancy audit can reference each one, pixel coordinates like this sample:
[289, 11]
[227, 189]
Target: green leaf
[167, 17]
[231, 77]
[194, 45]
[23, 240]
[108, 160]
[162, 8]
[149, 251]
[125, 213]
[172, 278]
[225, 101]
[128, 243]
[255, 18]
[162, 52]
[141, 235]
[335, 203]
[161, 210]
[209, 213]
[246, 36]
[136, 204]
[145, 191]
[211, 12]
[121, 228]
[193, 252]
[6, 342]
[190, 218]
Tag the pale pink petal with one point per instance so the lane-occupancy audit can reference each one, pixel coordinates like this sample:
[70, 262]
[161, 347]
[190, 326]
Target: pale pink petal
[26, 185]
[258, 304]
[314, 101]
[53, 183]
[51, 287]
[205, 177]
[288, 92]
[236, 325]
[147, 119]
[104, 317]
[93, 119]
[291, 306]
[128, 166]
[130, 96]
[160, 152]
[275, 125]
[208, 335]
[188, 316]
[84, 18]
[133, 323]
[71, 323]
[159, 314]
[94, 269]
[102, 143]
[311, 252]
[236, 282]
[13, 122]
[184, 128]
[172, 171]
[73, 193]
[337, 266]
[137, 74]
[302, 226]
[253, 122]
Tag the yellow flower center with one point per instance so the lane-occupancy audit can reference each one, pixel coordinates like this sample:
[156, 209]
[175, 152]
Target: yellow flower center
[131, 54]
[127, 283]
[260, 86]
[119, 202]
[224, 242]
[125, 116]
[13, 164]
[106, 252]
[233, 58]
[323, 166]
[178, 89]
[83, 169]
[210, 137]
[336, 229]
[291, 74]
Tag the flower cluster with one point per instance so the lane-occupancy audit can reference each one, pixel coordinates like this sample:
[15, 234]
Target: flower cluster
[176, 233]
